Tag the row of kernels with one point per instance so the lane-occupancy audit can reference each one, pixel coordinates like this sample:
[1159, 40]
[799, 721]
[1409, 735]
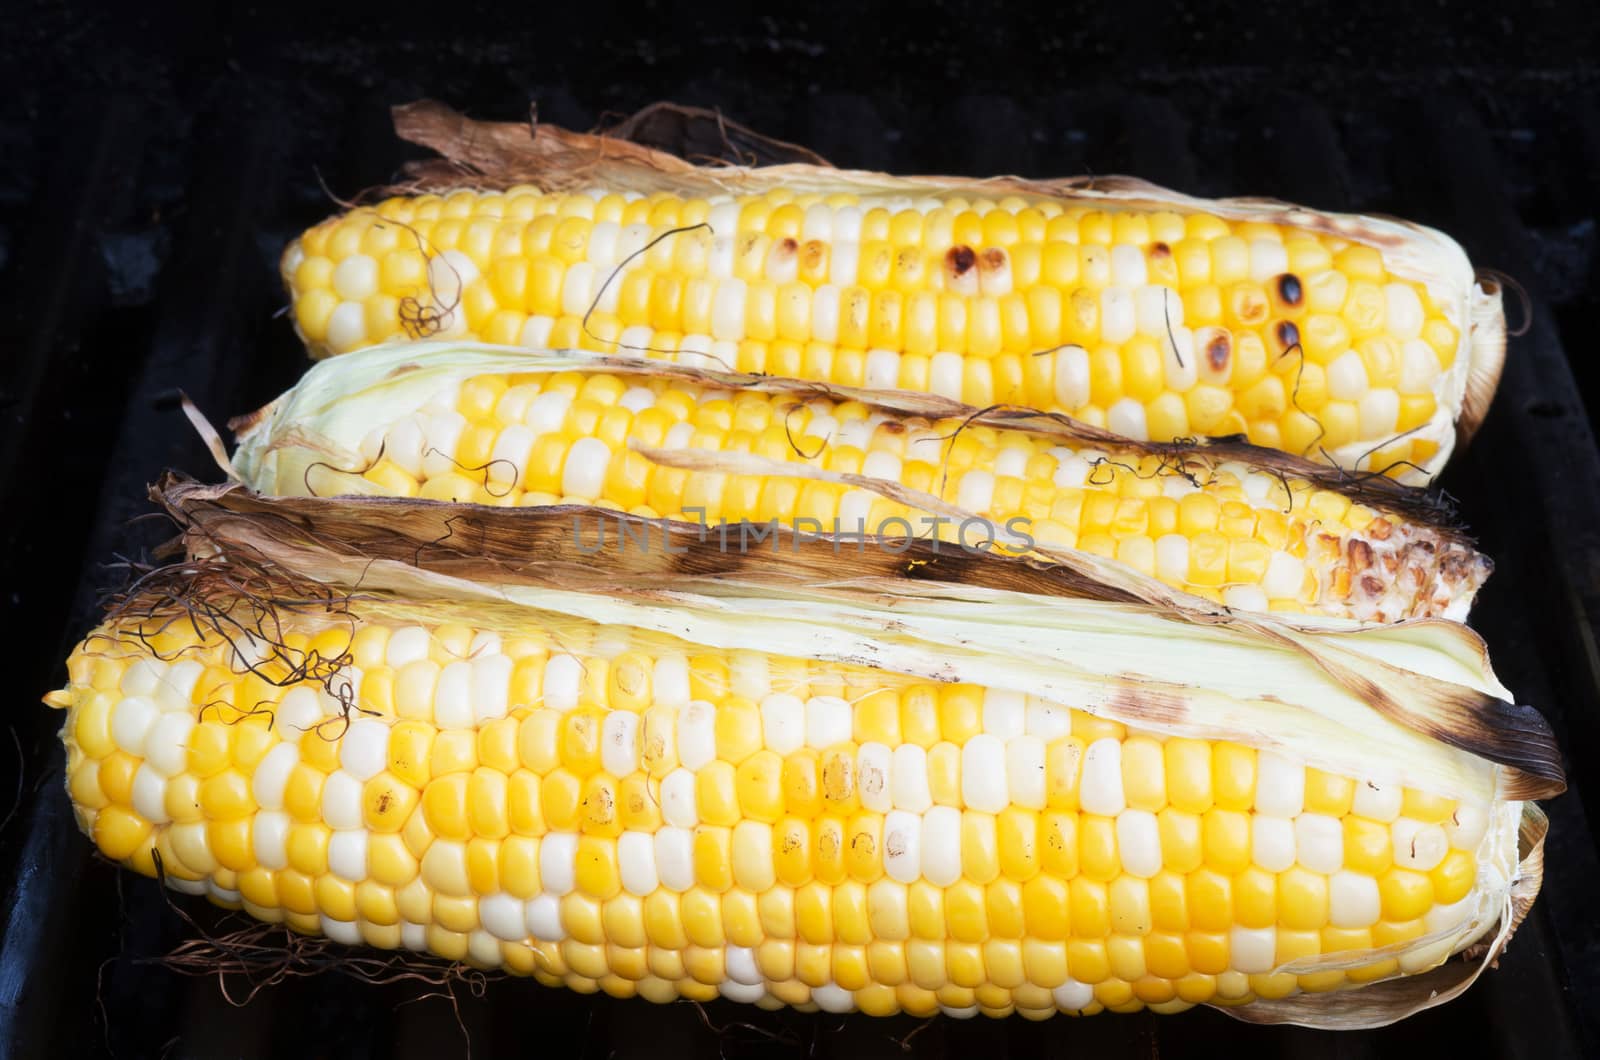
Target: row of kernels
[1267, 410]
[1134, 841]
[678, 730]
[929, 220]
[902, 219]
[549, 899]
[773, 935]
[1272, 412]
[1003, 313]
[920, 714]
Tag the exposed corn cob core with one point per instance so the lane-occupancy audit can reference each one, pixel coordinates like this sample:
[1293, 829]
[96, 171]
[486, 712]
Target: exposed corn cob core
[1248, 537]
[1156, 324]
[616, 811]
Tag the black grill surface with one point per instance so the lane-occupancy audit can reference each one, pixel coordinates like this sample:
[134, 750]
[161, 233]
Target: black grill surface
[156, 163]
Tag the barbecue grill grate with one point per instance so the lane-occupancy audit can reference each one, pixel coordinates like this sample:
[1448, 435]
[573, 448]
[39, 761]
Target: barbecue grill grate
[150, 226]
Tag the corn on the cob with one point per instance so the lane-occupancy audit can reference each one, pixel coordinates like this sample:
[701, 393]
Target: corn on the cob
[1152, 314]
[459, 423]
[597, 802]
[677, 824]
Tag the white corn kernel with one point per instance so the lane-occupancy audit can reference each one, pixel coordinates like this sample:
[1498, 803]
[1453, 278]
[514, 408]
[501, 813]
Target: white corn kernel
[873, 764]
[1253, 950]
[142, 677]
[678, 799]
[1418, 846]
[1285, 577]
[1072, 378]
[636, 862]
[406, 645]
[944, 375]
[166, 745]
[1268, 258]
[983, 774]
[1117, 318]
[1378, 413]
[503, 917]
[1100, 790]
[149, 794]
[619, 742]
[131, 722]
[174, 690]
[669, 681]
[1402, 311]
[269, 837]
[941, 845]
[1280, 785]
[364, 751]
[452, 696]
[1347, 377]
[909, 779]
[882, 370]
[558, 852]
[341, 801]
[1004, 712]
[1466, 827]
[347, 854]
[583, 475]
[544, 919]
[1139, 842]
[563, 677]
[1128, 267]
[1073, 996]
[347, 325]
[675, 858]
[829, 720]
[749, 675]
[298, 713]
[783, 723]
[1272, 843]
[1319, 842]
[1046, 720]
[491, 686]
[271, 775]
[902, 846]
[1353, 900]
[1025, 776]
[1379, 802]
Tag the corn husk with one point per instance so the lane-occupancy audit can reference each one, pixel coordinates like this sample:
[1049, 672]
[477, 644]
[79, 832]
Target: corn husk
[488, 155]
[1415, 703]
[310, 442]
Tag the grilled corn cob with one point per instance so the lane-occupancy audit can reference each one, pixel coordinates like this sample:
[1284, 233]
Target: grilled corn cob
[596, 802]
[1132, 308]
[459, 423]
